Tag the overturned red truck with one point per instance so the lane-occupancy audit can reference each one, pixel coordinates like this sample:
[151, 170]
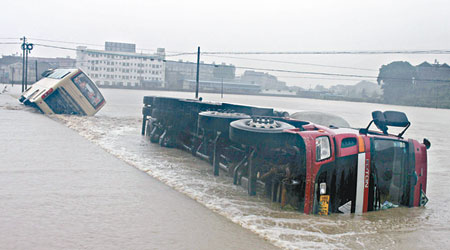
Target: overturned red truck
[315, 169]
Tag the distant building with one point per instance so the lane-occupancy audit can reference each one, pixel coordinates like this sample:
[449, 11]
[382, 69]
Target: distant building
[120, 66]
[431, 73]
[286, 92]
[362, 89]
[11, 67]
[228, 87]
[121, 47]
[179, 71]
[265, 80]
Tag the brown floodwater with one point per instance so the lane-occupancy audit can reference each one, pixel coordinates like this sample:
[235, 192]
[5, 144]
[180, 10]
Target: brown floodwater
[116, 129]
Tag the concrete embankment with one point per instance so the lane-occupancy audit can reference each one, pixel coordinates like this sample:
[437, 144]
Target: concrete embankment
[60, 191]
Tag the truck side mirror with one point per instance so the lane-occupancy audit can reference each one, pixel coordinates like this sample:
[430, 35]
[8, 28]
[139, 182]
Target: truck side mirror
[380, 121]
[396, 119]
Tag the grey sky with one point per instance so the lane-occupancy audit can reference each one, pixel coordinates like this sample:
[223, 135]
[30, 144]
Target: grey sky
[242, 26]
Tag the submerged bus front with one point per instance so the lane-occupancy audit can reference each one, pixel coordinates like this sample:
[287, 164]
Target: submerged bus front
[64, 91]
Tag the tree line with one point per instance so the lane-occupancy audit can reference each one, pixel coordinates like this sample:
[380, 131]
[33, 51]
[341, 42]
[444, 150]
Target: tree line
[426, 85]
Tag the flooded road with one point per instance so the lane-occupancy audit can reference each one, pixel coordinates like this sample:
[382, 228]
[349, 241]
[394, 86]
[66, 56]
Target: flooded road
[116, 129]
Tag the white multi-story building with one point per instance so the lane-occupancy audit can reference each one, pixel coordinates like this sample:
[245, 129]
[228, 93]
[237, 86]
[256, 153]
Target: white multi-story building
[120, 66]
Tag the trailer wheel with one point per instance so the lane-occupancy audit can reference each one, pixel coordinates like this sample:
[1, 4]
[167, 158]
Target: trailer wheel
[260, 131]
[218, 121]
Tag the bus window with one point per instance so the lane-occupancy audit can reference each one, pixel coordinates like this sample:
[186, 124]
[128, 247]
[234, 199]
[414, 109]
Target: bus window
[58, 73]
[390, 165]
[89, 90]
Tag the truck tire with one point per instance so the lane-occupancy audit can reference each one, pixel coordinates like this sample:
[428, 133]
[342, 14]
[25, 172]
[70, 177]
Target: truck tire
[218, 121]
[260, 132]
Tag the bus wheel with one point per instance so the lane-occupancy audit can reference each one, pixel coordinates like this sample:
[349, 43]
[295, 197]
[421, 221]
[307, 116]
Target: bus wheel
[260, 131]
[218, 121]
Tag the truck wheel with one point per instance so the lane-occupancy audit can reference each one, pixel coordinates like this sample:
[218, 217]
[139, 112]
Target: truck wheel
[260, 131]
[218, 121]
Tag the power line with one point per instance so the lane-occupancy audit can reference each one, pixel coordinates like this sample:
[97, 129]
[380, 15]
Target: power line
[55, 47]
[316, 78]
[59, 41]
[343, 75]
[296, 63]
[276, 70]
[80, 43]
[183, 54]
[349, 52]
[306, 72]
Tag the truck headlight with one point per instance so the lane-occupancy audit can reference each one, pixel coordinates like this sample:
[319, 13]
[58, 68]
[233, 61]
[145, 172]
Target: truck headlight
[323, 188]
[323, 148]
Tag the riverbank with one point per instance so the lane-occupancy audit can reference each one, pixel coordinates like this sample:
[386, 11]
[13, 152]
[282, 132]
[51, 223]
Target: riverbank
[60, 191]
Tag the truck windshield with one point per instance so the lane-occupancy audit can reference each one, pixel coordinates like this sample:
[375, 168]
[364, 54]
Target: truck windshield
[390, 165]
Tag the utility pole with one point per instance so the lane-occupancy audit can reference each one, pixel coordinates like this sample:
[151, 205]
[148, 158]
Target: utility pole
[222, 74]
[26, 68]
[198, 71]
[26, 48]
[12, 76]
[36, 69]
[24, 39]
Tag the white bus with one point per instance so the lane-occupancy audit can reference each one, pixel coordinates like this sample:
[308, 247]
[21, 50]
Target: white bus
[64, 91]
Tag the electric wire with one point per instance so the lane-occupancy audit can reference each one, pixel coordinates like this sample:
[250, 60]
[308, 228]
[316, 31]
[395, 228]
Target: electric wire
[280, 70]
[90, 44]
[343, 52]
[288, 62]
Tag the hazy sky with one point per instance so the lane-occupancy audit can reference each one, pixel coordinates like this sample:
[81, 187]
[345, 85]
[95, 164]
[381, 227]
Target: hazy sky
[241, 26]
